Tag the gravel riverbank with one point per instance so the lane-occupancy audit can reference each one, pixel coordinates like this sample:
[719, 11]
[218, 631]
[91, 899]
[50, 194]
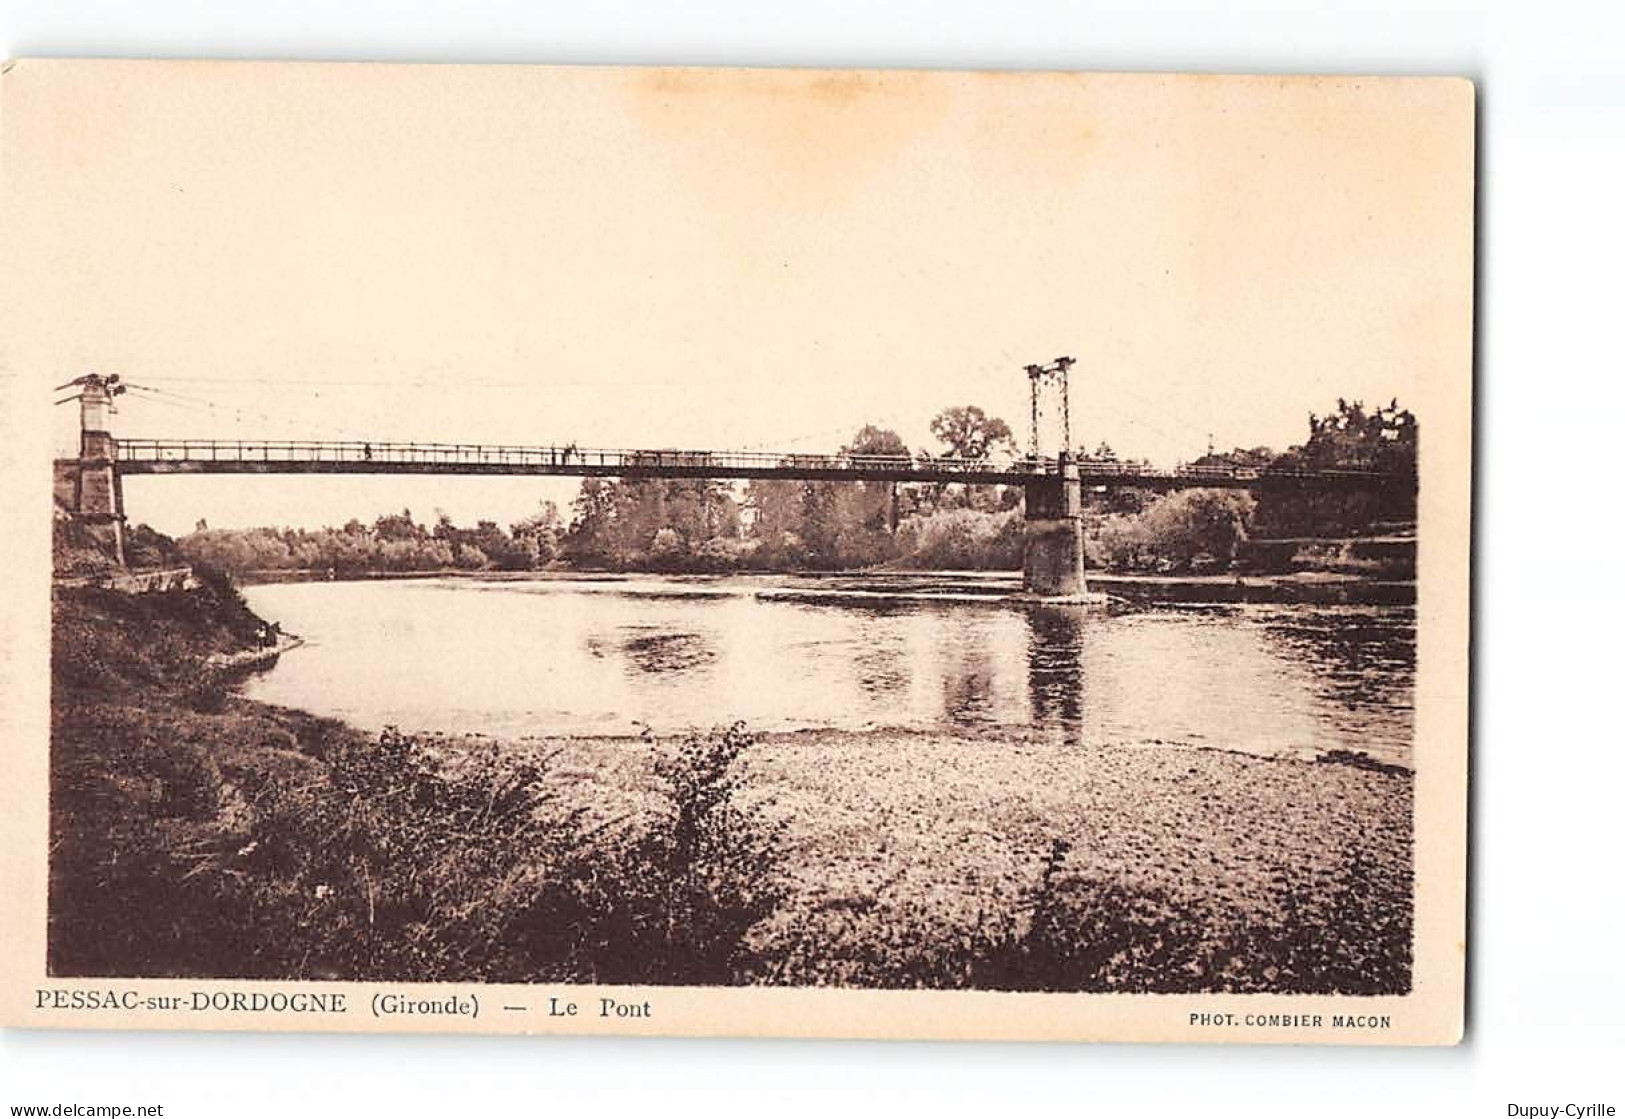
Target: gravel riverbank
[1269, 861]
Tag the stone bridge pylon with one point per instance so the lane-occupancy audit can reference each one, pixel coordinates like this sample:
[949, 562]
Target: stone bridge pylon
[1053, 561]
[89, 487]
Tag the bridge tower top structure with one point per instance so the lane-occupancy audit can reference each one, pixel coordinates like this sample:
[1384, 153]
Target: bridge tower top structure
[96, 410]
[1049, 388]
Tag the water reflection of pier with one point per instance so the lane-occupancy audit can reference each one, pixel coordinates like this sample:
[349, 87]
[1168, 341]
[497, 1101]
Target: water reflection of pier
[1055, 665]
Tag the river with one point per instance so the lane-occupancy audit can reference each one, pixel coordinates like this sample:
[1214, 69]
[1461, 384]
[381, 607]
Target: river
[548, 655]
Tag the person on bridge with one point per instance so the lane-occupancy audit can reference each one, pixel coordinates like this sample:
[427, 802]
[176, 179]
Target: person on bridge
[366, 451]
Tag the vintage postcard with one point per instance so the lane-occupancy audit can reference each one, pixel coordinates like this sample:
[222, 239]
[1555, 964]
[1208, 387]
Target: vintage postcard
[735, 552]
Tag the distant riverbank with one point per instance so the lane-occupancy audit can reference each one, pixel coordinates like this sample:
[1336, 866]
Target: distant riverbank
[1315, 587]
[1309, 587]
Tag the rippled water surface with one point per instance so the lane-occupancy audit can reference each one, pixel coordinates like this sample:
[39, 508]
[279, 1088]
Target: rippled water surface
[550, 656]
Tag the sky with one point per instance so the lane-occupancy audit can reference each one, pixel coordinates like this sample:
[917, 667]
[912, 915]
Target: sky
[716, 259]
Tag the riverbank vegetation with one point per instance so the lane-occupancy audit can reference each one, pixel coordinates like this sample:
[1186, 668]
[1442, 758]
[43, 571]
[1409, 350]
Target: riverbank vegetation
[699, 525]
[195, 833]
[78, 552]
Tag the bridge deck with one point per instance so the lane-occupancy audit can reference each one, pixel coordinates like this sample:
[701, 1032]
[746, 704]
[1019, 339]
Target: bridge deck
[200, 456]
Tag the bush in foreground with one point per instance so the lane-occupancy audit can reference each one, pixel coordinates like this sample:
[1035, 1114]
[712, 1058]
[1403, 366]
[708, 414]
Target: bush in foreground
[408, 865]
[228, 845]
[675, 899]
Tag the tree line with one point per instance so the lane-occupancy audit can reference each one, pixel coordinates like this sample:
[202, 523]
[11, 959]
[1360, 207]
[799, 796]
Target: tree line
[706, 525]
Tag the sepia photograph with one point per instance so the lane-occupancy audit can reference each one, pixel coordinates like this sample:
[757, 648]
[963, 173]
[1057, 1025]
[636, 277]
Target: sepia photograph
[614, 531]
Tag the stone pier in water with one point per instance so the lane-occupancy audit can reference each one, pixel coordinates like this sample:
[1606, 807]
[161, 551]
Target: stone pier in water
[1053, 564]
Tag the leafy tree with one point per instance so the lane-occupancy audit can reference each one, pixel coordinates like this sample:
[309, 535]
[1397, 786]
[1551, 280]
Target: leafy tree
[962, 540]
[617, 523]
[872, 440]
[777, 526]
[541, 532]
[145, 547]
[1254, 458]
[1382, 439]
[821, 523]
[1174, 530]
[667, 549]
[592, 512]
[1352, 438]
[970, 433]
[471, 558]
[865, 510]
[1190, 523]
[399, 526]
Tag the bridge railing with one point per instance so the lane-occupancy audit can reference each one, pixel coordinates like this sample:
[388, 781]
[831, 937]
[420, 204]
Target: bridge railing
[248, 451]
[244, 453]
[1248, 473]
[1095, 468]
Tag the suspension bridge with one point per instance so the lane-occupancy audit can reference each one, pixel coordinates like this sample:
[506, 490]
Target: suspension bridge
[91, 487]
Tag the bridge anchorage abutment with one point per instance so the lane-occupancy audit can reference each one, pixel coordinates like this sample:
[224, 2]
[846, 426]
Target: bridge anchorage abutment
[1052, 566]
